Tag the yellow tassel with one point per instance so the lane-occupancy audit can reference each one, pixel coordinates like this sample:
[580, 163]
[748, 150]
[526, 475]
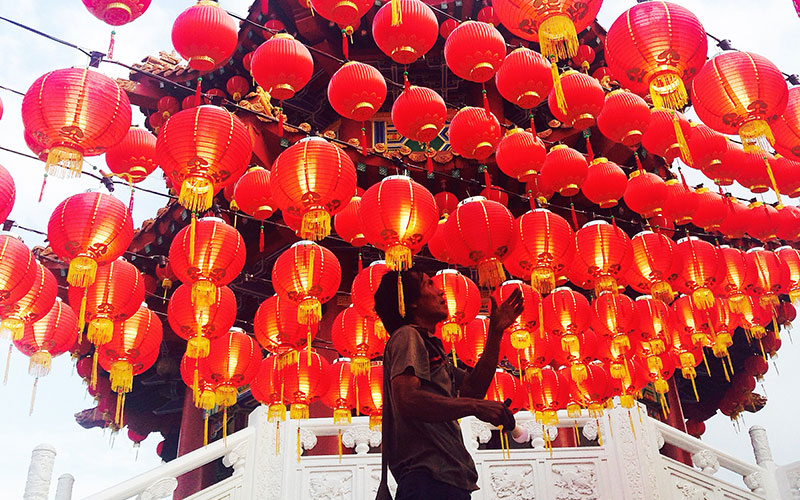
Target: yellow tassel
[452, 332]
[491, 273]
[205, 429]
[276, 412]
[453, 352]
[339, 442]
[225, 395]
[605, 283]
[299, 450]
[738, 303]
[341, 416]
[94, 368]
[359, 365]
[298, 411]
[662, 291]
[225, 427]
[208, 400]
[543, 279]
[198, 347]
[725, 371]
[380, 330]
[686, 156]
[756, 136]
[705, 362]
[668, 91]
[398, 258]
[82, 270]
[375, 421]
[39, 364]
[578, 372]
[703, 298]
[774, 184]
[309, 311]
[316, 225]
[397, 13]
[196, 385]
[197, 194]
[557, 37]
[64, 162]
[121, 376]
[558, 90]
[204, 293]
[33, 395]
[192, 232]
[278, 438]
[8, 362]
[577, 434]
[694, 388]
[12, 328]
[401, 300]
[100, 330]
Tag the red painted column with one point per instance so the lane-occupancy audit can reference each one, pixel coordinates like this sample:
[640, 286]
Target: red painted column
[190, 439]
[676, 420]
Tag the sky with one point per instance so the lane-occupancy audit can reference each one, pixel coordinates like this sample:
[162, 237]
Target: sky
[97, 459]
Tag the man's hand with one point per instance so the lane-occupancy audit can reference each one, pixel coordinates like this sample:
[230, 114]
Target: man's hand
[503, 316]
[494, 413]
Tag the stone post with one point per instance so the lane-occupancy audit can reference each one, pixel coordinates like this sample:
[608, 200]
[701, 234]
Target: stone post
[40, 471]
[763, 454]
[64, 487]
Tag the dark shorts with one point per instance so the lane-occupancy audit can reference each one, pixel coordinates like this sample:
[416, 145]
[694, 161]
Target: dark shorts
[419, 485]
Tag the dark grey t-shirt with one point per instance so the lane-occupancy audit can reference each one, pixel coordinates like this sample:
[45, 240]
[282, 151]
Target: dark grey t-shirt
[414, 445]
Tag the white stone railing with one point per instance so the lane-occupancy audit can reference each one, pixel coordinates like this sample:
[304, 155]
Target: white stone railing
[626, 466]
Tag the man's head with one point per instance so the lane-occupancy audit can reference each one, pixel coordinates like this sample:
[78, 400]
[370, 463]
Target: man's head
[424, 303]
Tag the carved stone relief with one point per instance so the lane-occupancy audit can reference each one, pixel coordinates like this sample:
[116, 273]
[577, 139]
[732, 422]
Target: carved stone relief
[308, 439]
[163, 488]
[706, 460]
[689, 491]
[575, 481]
[361, 438]
[513, 482]
[330, 485]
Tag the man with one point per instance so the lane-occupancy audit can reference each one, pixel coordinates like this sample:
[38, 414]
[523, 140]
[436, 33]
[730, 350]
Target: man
[424, 395]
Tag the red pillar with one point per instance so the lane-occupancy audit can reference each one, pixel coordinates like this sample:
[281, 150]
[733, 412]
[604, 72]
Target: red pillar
[675, 419]
[190, 439]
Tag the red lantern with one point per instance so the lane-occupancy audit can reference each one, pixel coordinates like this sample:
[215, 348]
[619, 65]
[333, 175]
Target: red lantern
[767, 271]
[787, 175]
[463, 302]
[202, 150]
[405, 30]
[474, 133]
[200, 324]
[690, 324]
[32, 306]
[753, 319]
[740, 93]
[520, 154]
[446, 202]
[654, 323]
[253, 193]
[583, 99]
[756, 366]
[711, 210]
[470, 346]
[706, 147]
[205, 35]
[364, 286]
[604, 252]
[437, 245]
[657, 48]
[304, 382]
[168, 106]
[680, 203]
[736, 221]
[786, 128]
[564, 170]
[474, 51]
[667, 134]
[696, 428]
[282, 66]
[75, 113]
[478, 234]
[614, 317]
[114, 296]
[522, 334]
[309, 275]
[8, 193]
[594, 391]
[654, 263]
[267, 388]
[355, 336]
[87, 230]
[313, 179]
[398, 216]
[762, 221]
[356, 91]
[749, 168]
[525, 78]
[487, 15]
[17, 268]
[566, 314]
[701, 270]
[371, 387]
[624, 117]
[346, 14]
[544, 247]
[548, 393]
[134, 156]
[51, 335]
[584, 57]
[341, 393]
[447, 27]
[278, 331]
[348, 223]
[538, 190]
[554, 25]
[215, 257]
[604, 76]
[117, 12]
[505, 387]
[739, 276]
[605, 183]
[789, 223]
[646, 193]
[419, 113]
[790, 271]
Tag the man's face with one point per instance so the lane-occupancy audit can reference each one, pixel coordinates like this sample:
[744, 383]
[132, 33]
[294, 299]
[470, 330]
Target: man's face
[431, 303]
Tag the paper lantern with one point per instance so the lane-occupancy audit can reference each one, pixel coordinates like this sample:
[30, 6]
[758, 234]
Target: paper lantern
[341, 393]
[544, 247]
[474, 51]
[474, 133]
[205, 35]
[115, 295]
[308, 275]
[87, 230]
[750, 169]
[604, 252]
[645, 193]
[354, 335]
[419, 113]
[405, 30]
[767, 272]
[135, 156]
[786, 129]
[51, 335]
[267, 389]
[398, 216]
[278, 331]
[31, 307]
[739, 276]
[438, 246]
[505, 387]
[74, 113]
[215, 257]
[525, 78]
[564, 170]
[478, 235]
[706, 147]
[624, 117]
[789, 223]
[701, 269]
[740, 93]
[584, 57]
[282, 66]
[548, 393]
[657, 48]
[304, 382]
[566, 314]
[198, 325]
[680, 202]
[762, 221]
[447, 27]
[520, 154]
[470, 346]
[655, 320]
[594, 391]
[233, 361]
[711, 209]
[348, 223]
[202, 150]
[370, 391]
[605, 183]
[446, 202]
[253, 193]
[554, 25]
[538, 190]
[356, 91]
[8, 193]
[522, 332]
[116, 12]
[614, 317]
[753, 319]
[17, 268]
[346, 14]
[653, 265]
[666, 135]
[463, 302]
[790, 271]
[583, 97]
[364, 286]
[313, 179]
[237, 86]
[787, 175]
[736, 220]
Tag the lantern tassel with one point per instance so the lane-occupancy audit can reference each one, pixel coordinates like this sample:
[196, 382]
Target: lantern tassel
[110, 54]
[204, 293]
[397, 13]
[491, 273]
[64, 162]
[485, 100]
[33, 395]
[756, 136]
[44, 183]
[82, 315]
[225, 426]
[662, 291]
[8, 362]
[197, 194]
[557, 37]
[316, 224]
[401, 301]
[198, 93]
[309, 311]
[428, 161]
[774, 184]
[703, 298]
[406, 83]
[587, 134]
[94, 368]
[455, 359]
[82, 271]
[686, 156]
[192, 231]
[574, 215]
[198, 346]
[261, 239]
[398, 257]
[100, 331]
[558, 91]
[339, 441]
[668, 91]
[638, 162]
[451, 332]
[543, 279]
[205, 428]
[346, 53]
[364, 141]
[299, 450]
[487, 178]
[278, 437]
[280, 120]
[605, 283]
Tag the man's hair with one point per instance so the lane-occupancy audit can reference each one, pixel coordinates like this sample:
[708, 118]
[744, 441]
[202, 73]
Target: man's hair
[386, 303]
